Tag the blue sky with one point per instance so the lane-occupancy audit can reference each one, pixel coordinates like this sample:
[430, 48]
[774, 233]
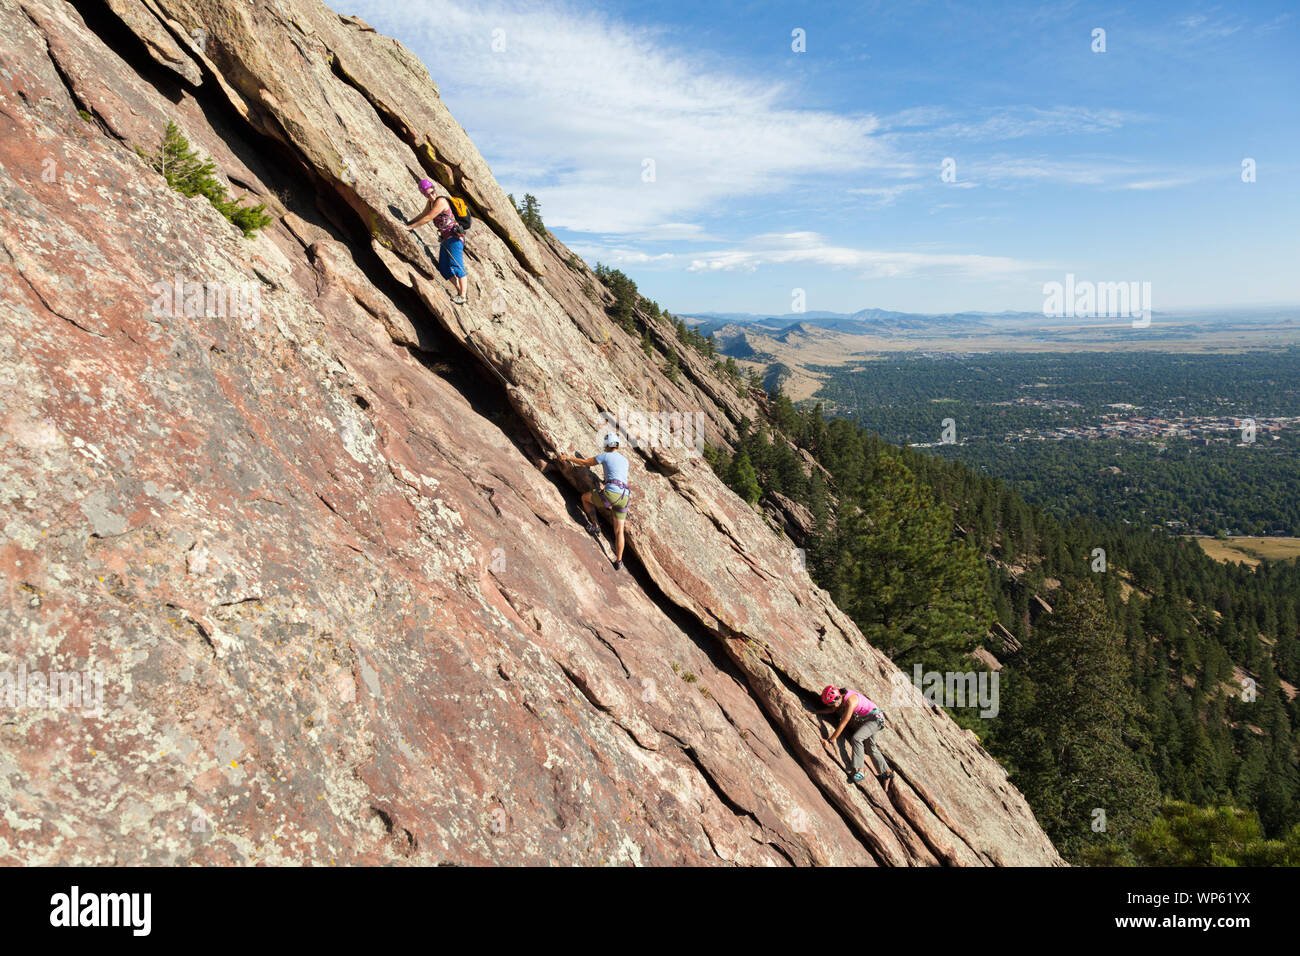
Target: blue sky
[775, 170]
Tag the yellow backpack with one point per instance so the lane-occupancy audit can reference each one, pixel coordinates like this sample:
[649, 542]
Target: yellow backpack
[460, 210]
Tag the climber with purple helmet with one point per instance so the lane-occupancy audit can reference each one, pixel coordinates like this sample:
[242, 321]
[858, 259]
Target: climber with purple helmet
[614, 493]
[451, 256]
[867, 720]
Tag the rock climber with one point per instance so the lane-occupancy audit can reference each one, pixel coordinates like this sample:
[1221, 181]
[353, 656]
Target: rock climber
[866, 720]
[614, 492]
[451, 255]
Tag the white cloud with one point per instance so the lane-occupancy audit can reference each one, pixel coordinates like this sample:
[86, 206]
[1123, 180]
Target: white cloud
[1007, 122]
[1105, 173]
[810, 248]
[619, 255]
[1200, 26]
[884, 195]
[1169, 183]
[573, 103]
[591, 99]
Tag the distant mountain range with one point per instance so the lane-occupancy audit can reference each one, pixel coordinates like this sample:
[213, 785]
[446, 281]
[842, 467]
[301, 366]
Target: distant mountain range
[796, 349]
[871, 321]
[883, 322]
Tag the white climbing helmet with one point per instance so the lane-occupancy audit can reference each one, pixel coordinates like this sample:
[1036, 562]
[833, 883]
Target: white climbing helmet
[611, 440]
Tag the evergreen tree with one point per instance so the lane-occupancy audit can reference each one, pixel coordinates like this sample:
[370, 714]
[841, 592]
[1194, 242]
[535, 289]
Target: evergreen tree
[744, 480]
[672, 370]
[1071, 727]
[914, 592]
[531, 213]
[1184, 835]
[626, 296]
[190, 175]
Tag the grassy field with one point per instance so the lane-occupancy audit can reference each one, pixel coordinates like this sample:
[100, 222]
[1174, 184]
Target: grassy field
[1250, 551]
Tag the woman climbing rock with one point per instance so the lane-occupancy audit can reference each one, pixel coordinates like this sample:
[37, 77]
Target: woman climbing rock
[614, 492]
[865, 719]
[451, 255]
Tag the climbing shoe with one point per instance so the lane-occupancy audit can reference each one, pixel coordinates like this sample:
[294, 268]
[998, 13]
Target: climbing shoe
[857, 777]
[618, 565]
[592, 530]
[885, 777]
[458, 300]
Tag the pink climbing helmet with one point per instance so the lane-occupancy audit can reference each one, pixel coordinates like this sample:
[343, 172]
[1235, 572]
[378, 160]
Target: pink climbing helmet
[831, 695]
[426, 185]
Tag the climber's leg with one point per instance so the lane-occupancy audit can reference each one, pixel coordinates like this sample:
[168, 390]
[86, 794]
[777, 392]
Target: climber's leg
[614, 503]
[618, 539]
[856, 738]
[451, 265]
[877, 758]
[865, 735]
[589, 509]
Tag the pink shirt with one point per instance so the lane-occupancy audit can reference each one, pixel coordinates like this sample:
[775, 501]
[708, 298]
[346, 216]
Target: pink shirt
[445, 223]
[864, 705]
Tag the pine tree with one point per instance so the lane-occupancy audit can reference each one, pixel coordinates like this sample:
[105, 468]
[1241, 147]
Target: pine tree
[1184, 835]
[1071, 727]
[744, 480]
[531, 213]
[914, 592]
[672, 368]
[190, 175]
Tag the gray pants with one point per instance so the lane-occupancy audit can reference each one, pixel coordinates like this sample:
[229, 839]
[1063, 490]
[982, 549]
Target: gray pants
[864, 732]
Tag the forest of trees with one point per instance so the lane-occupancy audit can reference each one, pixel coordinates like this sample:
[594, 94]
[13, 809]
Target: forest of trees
[636, 314]
[1122, 698]
[1005, 408]
[1234, 489]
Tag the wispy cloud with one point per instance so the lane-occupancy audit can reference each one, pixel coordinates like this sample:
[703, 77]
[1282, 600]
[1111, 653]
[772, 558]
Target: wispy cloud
[810, 248]
[1170, 183]
[1202, 26]
[620, 132]
[1009, 171]
[615, 254]
[880, 196]
[634, 132]
[1007, 122]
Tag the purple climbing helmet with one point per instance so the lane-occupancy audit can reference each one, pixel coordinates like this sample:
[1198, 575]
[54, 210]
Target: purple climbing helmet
[426, 185]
